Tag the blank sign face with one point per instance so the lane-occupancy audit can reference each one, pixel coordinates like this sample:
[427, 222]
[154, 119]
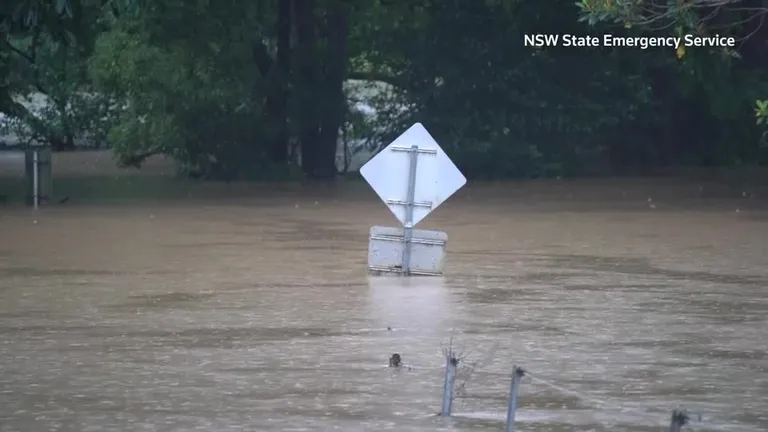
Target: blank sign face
[387, 246]
[437, 178]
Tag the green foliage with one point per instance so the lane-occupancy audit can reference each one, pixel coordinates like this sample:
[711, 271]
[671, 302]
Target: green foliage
[46, 90]
[50, 82]
[687, 15]
[232, 88]
[187, 95]
[712, 69]
[724, 79]
[500, 108]
[761, 112]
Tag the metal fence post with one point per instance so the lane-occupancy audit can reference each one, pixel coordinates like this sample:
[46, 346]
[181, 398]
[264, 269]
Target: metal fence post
[35, 178]
[517, 376]
[451, 362]
[679, 419]
[411, 196]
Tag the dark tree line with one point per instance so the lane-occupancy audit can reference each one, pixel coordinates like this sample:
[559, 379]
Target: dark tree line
[239, 89]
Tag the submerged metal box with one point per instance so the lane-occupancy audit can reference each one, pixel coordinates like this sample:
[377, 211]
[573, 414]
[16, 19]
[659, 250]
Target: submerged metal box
[386, 247]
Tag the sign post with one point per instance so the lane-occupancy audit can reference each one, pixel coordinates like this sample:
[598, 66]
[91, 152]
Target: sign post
[37, 170]
[411, 188]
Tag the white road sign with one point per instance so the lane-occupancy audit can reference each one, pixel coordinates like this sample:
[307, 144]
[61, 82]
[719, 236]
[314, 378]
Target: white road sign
[387, 245]
[437, 178]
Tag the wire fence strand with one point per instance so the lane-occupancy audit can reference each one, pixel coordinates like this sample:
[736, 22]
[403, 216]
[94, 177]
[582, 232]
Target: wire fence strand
[694, 418]
[467, 370]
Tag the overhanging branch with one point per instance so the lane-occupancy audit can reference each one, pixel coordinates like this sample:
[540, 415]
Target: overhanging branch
[374, 76]
[26, 56]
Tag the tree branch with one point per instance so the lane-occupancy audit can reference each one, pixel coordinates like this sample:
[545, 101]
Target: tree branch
[375, 76]
[135, 160]
[19, 111]
[29, 58]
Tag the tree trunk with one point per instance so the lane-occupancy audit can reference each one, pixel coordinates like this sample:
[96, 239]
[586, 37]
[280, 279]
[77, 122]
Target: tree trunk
[277, 99]
[333, 113]
[306, 83]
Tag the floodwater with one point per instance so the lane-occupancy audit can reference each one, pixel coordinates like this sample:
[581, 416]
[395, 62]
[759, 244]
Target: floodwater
[258, 314]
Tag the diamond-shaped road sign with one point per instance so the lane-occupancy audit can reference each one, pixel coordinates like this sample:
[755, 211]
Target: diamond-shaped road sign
[437, 178]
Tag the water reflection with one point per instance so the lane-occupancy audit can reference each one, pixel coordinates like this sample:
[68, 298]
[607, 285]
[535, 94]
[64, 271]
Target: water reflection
[419, 303]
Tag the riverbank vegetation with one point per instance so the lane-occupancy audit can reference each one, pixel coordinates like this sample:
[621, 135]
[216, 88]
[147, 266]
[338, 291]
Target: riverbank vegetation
[240, 90]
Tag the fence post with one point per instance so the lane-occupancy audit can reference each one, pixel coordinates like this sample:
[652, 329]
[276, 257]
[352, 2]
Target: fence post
[679, 419]
[517, 376]
[37, 175]
[451, 362]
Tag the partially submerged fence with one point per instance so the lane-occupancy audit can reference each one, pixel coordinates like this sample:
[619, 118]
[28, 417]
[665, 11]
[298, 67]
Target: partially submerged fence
[679, 418]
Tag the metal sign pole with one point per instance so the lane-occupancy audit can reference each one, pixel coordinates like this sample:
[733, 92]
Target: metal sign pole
[409, 203]
[36, 178]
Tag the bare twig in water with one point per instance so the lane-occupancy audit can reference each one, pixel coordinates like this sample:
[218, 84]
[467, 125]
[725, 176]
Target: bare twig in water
[452, 360]
[465, 373]
[465, 369]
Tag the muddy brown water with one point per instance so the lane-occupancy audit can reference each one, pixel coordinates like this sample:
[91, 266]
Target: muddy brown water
[258, 314]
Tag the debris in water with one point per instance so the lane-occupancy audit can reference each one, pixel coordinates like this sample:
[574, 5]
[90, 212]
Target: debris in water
[395, 360]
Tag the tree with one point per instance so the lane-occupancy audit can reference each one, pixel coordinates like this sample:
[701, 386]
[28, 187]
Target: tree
[190, 86]
[321, 67]
[227, 97]
[498, 107]
[42, 60]
[236, 89]
[742, 19]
